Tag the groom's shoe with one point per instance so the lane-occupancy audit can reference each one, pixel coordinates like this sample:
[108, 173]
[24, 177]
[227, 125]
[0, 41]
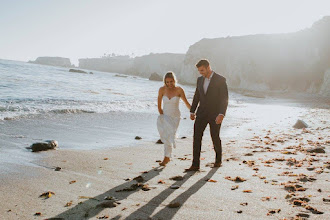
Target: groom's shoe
[192, 168]
[216, 165]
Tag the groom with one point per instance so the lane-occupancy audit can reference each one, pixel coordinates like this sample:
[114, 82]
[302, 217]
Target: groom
[212, 96]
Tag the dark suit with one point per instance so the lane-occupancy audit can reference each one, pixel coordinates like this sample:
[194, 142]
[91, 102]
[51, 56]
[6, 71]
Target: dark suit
[211, 104]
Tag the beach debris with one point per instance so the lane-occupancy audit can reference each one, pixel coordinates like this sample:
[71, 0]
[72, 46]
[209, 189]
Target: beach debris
[37, 214]
[145, 187]
[128, 179]
[302, 215]
[138, 179]
[68, 204]
[161, 182]
[177, 178]
[133, 187]
[174, 187]
[306, 179]
[108, 204]
[183, 158]
[183, 137]
[234, 187]
[273, 211]
[159, 141]
[293, 188]
[136, 186]
[300, 124]
[73, 181]
[298, 202]
[103, 217]
[47, 194]
[236, 179]
[249, 162]
[106, 158]
[239, 211]
[247, 191]
[174, 205]
[319, 190]
[248, 154]
[158, 161]
[313, 210]
[326, 200]
[110, 198]
[318, 150]
[43, 146]
[211, 180]
[57, 168]
[244, 203]
[265, 198]
[310, 168]
[138, 138]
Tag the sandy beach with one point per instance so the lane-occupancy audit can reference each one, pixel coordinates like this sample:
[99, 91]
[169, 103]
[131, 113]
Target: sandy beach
[267, 173]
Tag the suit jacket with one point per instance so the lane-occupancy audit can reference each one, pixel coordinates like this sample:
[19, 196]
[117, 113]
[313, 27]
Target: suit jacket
[215, 101]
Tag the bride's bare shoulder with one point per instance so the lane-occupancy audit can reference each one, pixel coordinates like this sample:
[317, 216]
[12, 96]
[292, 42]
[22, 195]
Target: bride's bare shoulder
[162, 89]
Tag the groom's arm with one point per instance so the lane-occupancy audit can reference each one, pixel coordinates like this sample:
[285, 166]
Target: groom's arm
[195, 100]
[223, 90]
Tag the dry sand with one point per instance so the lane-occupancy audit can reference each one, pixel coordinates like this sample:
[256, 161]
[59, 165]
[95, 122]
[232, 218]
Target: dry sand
[270, 159]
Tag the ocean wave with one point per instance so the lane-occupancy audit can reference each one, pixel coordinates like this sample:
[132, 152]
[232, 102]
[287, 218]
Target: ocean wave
[43, 112]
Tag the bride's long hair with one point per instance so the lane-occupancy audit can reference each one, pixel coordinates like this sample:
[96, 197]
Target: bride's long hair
[170, 75]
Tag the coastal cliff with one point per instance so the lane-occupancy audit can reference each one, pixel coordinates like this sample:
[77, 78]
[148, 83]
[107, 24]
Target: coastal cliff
[287, 62]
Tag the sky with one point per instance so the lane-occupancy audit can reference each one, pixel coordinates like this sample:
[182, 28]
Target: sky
[91, 28]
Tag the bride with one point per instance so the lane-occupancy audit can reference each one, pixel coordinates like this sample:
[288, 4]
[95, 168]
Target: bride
[169, 118]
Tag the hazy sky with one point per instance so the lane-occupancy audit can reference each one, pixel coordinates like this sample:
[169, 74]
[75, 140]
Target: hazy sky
[90, 28]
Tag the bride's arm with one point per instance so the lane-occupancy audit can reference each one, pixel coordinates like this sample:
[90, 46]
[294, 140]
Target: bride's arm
[184, 99]
[160, 96]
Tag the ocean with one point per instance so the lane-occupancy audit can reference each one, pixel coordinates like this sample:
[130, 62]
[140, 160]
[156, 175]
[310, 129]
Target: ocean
[104, 110]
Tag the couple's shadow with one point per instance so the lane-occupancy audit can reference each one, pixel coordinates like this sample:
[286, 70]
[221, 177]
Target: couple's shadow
[89, 208]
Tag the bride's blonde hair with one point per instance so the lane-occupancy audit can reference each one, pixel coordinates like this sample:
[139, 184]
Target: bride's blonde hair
[170, 75]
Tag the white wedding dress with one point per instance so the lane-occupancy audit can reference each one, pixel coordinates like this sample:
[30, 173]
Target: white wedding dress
[168, 123]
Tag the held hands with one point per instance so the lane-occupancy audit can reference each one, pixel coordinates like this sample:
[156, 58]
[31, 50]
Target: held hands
[192, 116]
[218, 119]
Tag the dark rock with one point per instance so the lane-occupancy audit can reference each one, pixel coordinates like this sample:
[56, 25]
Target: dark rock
[139, 179]
[155, 77]
[174, 187]
[183, 137]
[138, 138]
[43, 146]
[76, 71]
[159, 142]
[302, 215]
[91, 73]
[177, 178]
[108, 204]
[300, 124]
[239, 211]
[58, 168]
[316, 150]
[174, 205]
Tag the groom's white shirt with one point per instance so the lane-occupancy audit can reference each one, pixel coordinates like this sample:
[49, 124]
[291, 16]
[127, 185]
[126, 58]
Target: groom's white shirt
[207, 82]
